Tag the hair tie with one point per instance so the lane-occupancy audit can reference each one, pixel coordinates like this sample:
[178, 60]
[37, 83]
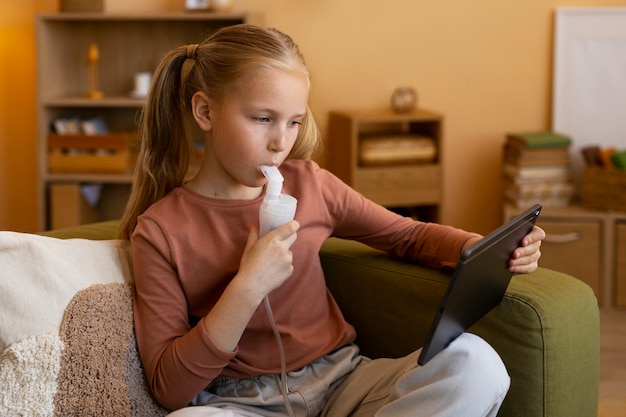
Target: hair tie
[191, 50]
[189, 62]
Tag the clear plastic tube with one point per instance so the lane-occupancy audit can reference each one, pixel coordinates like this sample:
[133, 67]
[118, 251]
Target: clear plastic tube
[284, 389]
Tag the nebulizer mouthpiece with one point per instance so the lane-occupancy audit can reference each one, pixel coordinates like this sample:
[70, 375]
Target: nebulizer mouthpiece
[277, 208]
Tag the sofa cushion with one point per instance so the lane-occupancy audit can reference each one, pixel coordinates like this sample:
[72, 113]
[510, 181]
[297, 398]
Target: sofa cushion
[100, 358]
[91, 367]
[28, 376]
[39, 275]
[66, 329]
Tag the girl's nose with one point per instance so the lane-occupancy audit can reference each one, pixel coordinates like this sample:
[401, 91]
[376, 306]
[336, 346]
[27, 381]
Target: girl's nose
[278, 141]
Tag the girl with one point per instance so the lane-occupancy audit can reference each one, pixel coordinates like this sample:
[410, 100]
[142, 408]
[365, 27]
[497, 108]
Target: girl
[205, 334]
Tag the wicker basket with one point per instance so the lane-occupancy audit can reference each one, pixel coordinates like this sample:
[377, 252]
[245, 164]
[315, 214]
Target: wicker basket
[604, 189]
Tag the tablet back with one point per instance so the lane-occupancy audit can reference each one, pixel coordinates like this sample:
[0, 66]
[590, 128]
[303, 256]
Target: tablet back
[478, 284]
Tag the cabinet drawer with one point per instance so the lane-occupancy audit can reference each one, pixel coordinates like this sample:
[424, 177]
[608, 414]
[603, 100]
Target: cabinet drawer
[400, 185]
[574, 248]
[620, 266]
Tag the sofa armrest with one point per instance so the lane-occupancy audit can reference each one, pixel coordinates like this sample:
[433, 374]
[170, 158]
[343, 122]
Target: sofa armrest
[546, 329]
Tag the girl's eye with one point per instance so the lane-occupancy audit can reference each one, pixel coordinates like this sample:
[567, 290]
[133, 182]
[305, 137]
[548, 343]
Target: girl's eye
[294, 123]
[262, 119]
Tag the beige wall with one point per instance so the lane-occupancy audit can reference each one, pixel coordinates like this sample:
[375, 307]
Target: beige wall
[486, 65]
[18, 206]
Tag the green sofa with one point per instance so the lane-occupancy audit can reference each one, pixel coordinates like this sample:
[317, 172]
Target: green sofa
[546, 329]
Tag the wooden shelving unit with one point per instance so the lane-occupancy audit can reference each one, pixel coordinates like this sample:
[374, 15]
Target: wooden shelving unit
[127, 44]
[587, 244]
[620, 263]
[409, 185]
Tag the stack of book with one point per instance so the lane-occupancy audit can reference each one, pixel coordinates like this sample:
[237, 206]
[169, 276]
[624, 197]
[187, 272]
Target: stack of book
[536, 168]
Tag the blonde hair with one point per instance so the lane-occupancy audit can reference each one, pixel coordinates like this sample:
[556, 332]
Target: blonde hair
[212, 66]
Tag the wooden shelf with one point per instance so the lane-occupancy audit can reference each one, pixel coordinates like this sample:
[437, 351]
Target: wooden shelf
[620, 263]
[389, 116]
[89, 178]
[403, 185]
[127, 44]
[151, 17]
[83, 102]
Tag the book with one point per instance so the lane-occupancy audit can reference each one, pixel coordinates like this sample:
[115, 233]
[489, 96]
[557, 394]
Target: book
[538, 190]
[546, 156]
[514, 150]
[604, 157]
[546, 201]
[618, 159]
[539, 172]
[539, 140]
[591, 155]
[548, 193]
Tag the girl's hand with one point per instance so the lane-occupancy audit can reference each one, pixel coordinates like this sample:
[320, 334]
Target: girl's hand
[525, 259]
[267, 261]
[265, 265]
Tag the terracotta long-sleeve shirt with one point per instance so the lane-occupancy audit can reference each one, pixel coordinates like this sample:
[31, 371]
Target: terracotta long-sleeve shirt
[187, 248]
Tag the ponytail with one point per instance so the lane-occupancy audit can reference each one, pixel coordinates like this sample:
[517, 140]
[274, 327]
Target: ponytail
[163, 157]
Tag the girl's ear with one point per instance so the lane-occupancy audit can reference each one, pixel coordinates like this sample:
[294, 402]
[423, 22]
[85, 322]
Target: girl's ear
[201, 110]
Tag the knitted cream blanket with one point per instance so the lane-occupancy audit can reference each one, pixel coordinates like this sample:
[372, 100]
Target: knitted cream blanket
[28, 373]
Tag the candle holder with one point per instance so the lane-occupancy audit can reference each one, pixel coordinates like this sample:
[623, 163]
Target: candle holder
[93, 56]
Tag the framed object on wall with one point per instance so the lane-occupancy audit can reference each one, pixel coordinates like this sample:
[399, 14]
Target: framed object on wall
[589, 78]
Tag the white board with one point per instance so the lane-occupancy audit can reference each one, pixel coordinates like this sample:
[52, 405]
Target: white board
[589, 79]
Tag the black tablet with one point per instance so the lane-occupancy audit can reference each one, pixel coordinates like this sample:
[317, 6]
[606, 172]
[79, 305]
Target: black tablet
[478, 284]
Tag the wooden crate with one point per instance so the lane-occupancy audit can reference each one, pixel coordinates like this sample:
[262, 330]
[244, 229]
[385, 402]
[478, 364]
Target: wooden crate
[110, 153]
[604, 189]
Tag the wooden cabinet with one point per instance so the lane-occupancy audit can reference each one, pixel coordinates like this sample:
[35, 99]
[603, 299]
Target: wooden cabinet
[620, 265]
[126, 45]
[587, 244]
[415, 184]
[574, 247]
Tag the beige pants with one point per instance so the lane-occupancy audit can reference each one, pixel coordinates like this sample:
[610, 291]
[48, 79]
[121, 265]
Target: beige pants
[467, 379]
